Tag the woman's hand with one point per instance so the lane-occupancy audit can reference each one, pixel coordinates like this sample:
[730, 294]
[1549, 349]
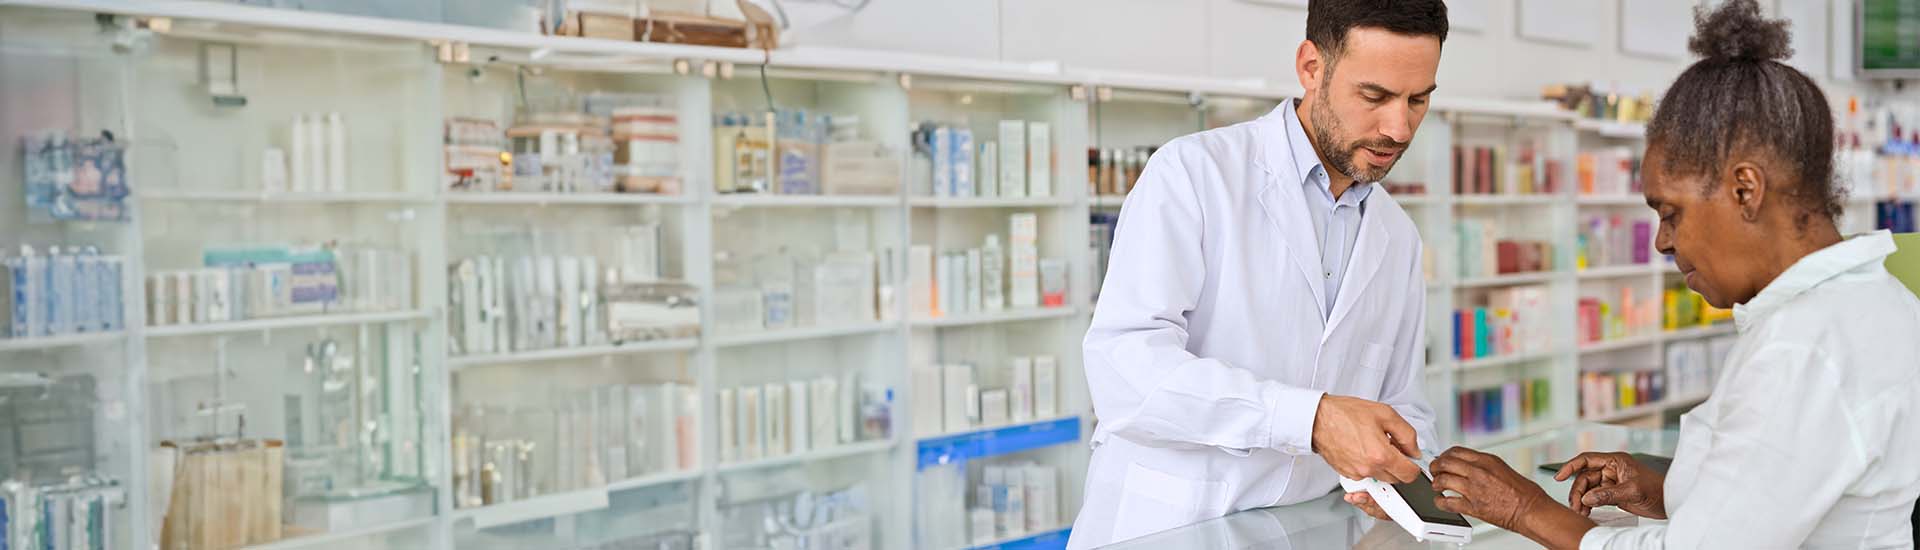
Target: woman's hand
[1614, 479]
[1488, 488]
[1491, 490]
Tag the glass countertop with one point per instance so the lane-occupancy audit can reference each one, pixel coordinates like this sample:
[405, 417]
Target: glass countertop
[1329, 522]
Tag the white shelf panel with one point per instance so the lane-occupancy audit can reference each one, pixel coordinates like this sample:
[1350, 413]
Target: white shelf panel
[1024, 202]
[562, 504]
[1501, 361]
[278, 323]
[340, 539]
[1616, 130]
[1617, 271]
[1606, 200]
[544, 199]
[1416, 200]
[1719, 329]
[1004, 316]
[654, 346]
[264, 197]
[1648, 409]
[536, 508]
[806, 201]
[797, 334]
[57, 342]
[1620, 343]
[650, 480]
[1528, 429]
[1540, 109]
[1109, 201]
[1509, 280]
[1506, 200]
[816, 455]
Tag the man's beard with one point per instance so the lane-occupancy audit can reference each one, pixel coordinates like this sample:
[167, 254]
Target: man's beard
[1326, 136]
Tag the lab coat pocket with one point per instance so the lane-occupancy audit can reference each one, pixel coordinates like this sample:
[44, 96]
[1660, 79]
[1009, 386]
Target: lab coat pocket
[1369, 373]
[1153, 501]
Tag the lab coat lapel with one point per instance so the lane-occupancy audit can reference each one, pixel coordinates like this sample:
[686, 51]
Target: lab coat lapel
[1369, 251]
[1283, 202]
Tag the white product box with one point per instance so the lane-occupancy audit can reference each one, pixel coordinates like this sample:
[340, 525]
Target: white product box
[776, 414]
[824, 422]
[1023, 228]
[1039, 160]
[993, 408]
[1046, 381]
[963, 184]
[1023, 276]
[929, 415]
[800, 434]
[989, 170]
[849, 411]
[729, 442]
[1020, 390]
[752, 426]
[953, 387]
[1013, 158]
[974, 301]
[920, 271]
[943, 161]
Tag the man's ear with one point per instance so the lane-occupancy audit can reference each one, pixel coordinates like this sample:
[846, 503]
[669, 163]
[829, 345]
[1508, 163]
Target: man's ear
[1307, 65]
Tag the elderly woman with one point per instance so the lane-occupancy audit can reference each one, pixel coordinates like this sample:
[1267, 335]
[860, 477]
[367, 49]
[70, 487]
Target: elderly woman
[1812, 436]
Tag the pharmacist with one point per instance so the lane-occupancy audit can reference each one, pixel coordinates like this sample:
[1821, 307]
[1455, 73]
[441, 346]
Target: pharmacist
[1263, 318]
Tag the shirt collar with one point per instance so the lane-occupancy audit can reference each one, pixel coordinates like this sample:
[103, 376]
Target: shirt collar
[1305, 160]
[1868, 250]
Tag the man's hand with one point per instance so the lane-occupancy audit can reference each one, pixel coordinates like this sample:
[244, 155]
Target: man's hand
[1363, 439]
[1365, 503]
[1614, 479]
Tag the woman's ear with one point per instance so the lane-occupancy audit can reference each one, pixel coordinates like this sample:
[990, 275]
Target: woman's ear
[1748, 186]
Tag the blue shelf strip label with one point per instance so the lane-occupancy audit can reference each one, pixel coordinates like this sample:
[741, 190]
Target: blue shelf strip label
[1050, 540]
[997, 441]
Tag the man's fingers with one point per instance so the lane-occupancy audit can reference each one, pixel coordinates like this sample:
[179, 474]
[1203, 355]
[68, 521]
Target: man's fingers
[1401, 470]
[1366, 504]
[1404, 438]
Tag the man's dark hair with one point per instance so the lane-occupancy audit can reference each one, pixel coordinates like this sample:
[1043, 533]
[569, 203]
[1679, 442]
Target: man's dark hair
[1740, 97]
[1329, 20]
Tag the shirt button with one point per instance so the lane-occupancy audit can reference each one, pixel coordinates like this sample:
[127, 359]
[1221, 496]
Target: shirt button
[1329, 274]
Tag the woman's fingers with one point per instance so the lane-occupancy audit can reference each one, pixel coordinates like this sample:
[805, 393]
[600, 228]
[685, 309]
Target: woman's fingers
[1581, 483]
[1573, 466]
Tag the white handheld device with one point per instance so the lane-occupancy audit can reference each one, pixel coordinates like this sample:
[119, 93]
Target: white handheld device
[1411, 505]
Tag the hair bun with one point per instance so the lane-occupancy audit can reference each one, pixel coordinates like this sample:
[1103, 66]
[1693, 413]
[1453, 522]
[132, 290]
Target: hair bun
[1737, 31]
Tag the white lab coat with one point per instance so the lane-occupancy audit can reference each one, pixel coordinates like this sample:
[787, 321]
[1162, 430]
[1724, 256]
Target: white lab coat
[1812, 436]
[1208, 354]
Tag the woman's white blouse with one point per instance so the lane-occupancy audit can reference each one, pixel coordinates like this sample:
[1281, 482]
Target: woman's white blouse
[1812, 436]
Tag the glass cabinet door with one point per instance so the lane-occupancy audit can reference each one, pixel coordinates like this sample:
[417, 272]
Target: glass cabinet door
[292, 359]
[67, 456]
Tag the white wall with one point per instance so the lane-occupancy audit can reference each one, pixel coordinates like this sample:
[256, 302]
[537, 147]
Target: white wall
[1257, 38]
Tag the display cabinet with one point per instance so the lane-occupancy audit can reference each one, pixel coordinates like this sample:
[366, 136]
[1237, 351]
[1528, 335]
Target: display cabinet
[289, 350]
[807, 254]
[1000, 348]
[574, 308]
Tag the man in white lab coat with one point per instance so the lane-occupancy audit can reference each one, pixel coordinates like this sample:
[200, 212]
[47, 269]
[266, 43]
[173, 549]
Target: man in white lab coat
[1262, 324]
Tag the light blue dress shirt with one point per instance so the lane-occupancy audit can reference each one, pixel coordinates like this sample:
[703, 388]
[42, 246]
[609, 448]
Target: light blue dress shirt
[1336, 222]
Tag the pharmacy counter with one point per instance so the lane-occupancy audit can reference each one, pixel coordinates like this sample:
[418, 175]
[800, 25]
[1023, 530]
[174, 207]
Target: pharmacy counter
[1329, 522]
